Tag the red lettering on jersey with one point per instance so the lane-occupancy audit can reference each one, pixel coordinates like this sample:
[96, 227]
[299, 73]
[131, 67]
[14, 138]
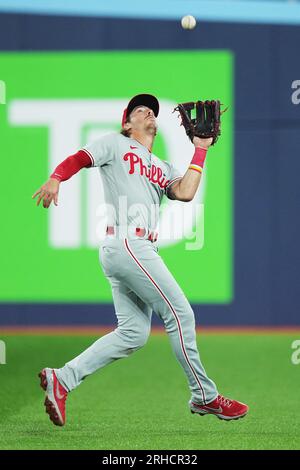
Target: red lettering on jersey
[154, 174]
[144, 170]
[133, 160]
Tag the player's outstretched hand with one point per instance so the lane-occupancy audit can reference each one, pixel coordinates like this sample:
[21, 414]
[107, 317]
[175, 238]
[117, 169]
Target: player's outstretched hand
[48, 193]
[204, 143]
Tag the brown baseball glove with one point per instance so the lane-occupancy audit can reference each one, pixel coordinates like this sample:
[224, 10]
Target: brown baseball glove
[207, 120]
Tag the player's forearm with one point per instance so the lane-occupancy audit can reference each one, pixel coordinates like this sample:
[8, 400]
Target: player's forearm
[188, 185]
[71, 165]
[186, 188]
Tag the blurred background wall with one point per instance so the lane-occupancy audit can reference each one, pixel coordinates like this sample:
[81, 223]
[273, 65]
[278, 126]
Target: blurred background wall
[266, 162]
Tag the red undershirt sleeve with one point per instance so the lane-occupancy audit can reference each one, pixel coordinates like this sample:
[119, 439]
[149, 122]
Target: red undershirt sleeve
[71, 165]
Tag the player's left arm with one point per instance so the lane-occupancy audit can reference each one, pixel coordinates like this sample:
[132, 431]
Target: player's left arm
[186, 188]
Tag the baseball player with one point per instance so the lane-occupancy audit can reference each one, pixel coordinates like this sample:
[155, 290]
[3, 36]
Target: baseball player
[140, 281]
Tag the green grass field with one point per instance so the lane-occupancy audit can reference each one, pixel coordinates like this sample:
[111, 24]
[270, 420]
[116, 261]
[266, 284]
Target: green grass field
[141, 402]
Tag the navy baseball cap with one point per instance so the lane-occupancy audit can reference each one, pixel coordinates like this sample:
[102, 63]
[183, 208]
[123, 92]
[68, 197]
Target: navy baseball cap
[141, 100]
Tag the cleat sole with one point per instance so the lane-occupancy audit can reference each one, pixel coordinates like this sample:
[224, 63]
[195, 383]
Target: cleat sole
[49, 406]
[43, 380]
[220, 417]
[51, 411]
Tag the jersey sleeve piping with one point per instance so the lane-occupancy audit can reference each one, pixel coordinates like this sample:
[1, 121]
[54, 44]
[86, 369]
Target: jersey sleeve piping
[172, 181]
[90, 155]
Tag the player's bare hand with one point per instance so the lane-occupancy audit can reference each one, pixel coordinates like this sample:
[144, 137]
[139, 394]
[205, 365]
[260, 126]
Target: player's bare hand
[48, 193]
[204, 143]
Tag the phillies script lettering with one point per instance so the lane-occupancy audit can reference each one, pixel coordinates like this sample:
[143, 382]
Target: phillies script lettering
[154, 174]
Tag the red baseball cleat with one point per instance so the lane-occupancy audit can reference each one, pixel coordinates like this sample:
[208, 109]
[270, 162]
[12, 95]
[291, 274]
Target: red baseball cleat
[56, 395]
[222, 407]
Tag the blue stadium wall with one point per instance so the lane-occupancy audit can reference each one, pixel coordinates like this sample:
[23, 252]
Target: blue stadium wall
[267, 160]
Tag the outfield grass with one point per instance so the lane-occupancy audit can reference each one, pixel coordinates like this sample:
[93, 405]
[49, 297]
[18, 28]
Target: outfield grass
[141, 402]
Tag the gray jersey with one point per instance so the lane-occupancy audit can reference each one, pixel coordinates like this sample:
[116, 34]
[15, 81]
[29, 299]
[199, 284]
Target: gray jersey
[134, 180]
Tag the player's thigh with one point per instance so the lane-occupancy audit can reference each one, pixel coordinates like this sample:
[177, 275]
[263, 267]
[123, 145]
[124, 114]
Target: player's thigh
[150, 278]
[131, 311]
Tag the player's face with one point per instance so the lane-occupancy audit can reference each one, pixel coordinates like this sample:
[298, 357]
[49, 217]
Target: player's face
[142, 119]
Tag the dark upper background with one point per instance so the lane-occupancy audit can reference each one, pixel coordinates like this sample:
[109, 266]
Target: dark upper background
[267, 160]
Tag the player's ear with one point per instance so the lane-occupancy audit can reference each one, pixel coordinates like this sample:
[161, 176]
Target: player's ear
[127, 126]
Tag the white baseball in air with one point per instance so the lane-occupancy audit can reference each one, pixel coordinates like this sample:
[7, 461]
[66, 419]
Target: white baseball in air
[188, 22]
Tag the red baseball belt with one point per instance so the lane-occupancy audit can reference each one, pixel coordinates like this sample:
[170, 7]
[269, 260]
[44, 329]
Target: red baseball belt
[140, 232]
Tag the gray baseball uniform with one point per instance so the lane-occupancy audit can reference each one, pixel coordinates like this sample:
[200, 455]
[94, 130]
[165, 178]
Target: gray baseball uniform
[136, 180]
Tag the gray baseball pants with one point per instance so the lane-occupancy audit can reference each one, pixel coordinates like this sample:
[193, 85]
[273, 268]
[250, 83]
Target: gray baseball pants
[141, 282]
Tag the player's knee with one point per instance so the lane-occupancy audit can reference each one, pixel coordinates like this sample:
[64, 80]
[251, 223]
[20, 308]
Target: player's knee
[181, 318]
[141, 337]
[135, 338]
